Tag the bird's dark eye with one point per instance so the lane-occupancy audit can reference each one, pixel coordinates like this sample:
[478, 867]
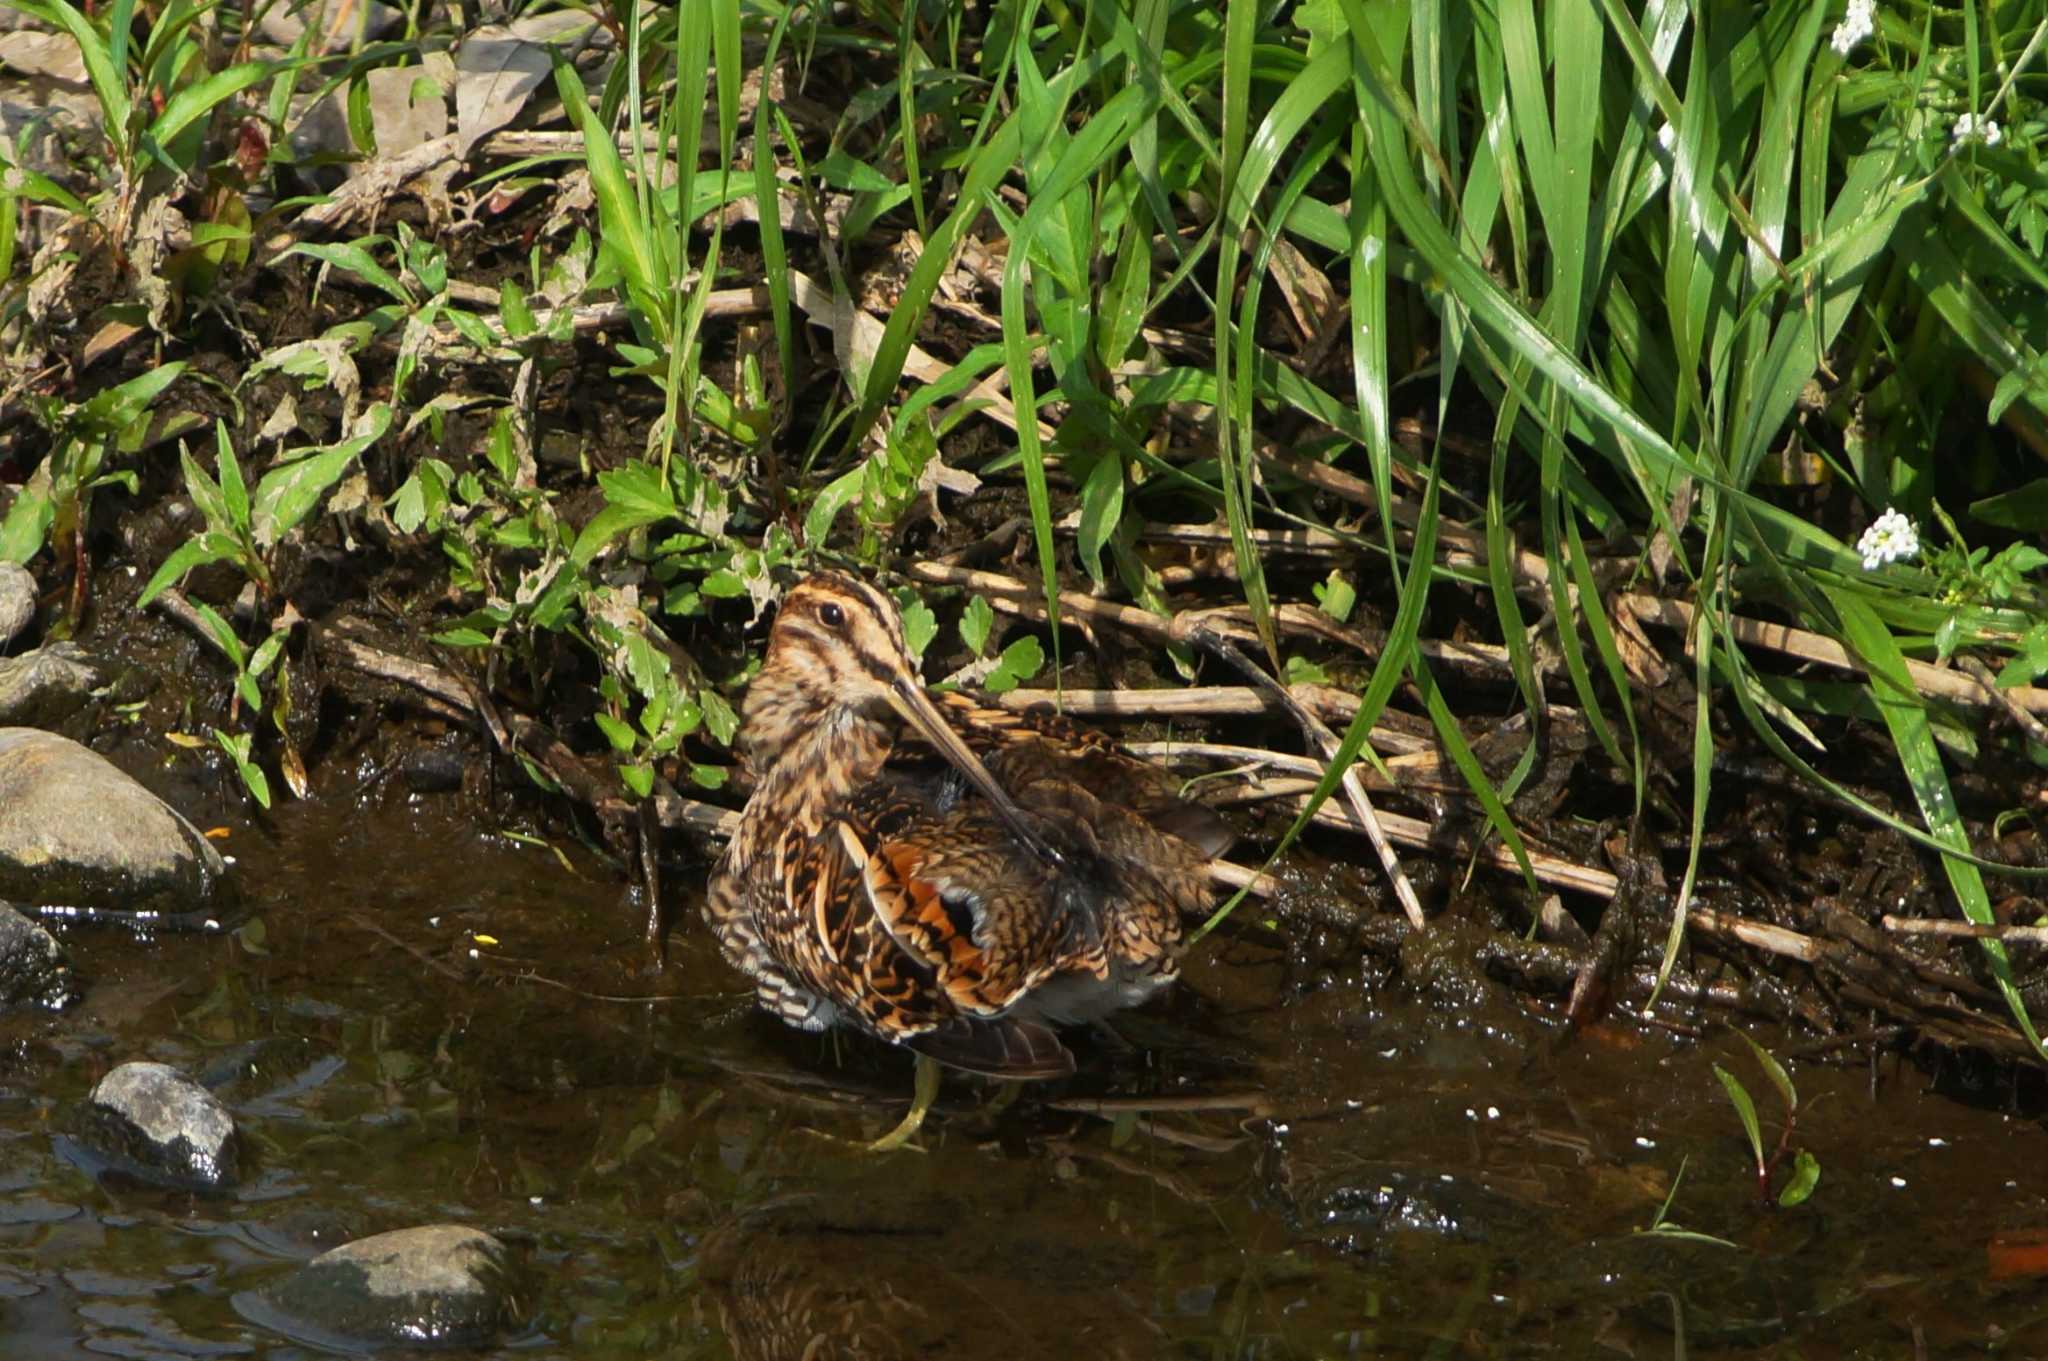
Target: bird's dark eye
[831, 615]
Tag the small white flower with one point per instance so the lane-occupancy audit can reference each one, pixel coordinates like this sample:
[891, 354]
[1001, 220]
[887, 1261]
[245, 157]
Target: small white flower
[1972, 127]
[1892, 538]
[1859, 21]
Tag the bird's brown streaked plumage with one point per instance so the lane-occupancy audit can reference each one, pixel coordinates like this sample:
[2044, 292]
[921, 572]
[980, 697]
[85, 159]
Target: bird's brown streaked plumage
[937, 872]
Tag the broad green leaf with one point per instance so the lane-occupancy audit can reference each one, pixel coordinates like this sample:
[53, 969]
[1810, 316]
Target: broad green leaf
[1020, 661]
[635, 495]
[838, 494]
[1774, 1070]
[233, 491]
[206, 495]
[111, 412]
[222, 635]
[211, 546]
[1102, 507]
[2025, 507]
[19, 181]
[197, 100]
[288, 493]
[976, 623]
[1805, 1178]
[352, 258]
[1745, 1110]
[920, 625]
[29, 517]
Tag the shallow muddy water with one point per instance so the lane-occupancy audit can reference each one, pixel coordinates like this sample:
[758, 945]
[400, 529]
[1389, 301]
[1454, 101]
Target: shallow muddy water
[446, 1026]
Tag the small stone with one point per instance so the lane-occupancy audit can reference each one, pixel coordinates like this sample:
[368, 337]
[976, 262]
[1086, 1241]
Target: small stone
[34, 970]
[75, 831]
[41, 689]
[350, 25]
[152, 1122]
[17, 601]
[440, 1285]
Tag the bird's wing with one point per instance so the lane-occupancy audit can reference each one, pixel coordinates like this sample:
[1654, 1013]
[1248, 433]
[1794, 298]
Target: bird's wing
[921, 939]
[1038, 744]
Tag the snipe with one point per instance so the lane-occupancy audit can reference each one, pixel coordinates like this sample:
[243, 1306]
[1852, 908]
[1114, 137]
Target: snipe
[937, 872]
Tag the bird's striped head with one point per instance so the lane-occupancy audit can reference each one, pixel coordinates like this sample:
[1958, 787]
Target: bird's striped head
[837, 670]
[838, 643]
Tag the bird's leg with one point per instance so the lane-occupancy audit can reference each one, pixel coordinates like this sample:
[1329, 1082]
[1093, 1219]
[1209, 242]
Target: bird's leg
[927, 1091]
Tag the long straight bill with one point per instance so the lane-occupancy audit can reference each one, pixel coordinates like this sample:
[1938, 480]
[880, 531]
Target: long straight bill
[909, 699]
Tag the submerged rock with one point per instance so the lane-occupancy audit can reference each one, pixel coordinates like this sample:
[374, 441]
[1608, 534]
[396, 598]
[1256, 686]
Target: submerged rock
[33, 968]
[75, 831]
[435, 1285]
[17, 601]
[41, 689]
[152, 1122]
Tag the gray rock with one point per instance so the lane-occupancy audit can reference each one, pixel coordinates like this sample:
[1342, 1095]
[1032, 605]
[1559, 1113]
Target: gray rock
[435, 1285]
[77, 832]
[33, 968]
[17, 601]
[154, 1123]
[343, 24]
[41, 689]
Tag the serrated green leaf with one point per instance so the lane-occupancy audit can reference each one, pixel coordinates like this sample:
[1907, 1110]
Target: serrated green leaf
[977, 621]
[724, 585]
[512, 307]
[920, 625]
[1020, 661]
[618, 732]
[719, 719]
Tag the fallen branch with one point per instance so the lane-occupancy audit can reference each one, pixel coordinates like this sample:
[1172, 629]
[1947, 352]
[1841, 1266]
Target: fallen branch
[1028, 601]
[1933, 681]
[520, 735]
[1320, 735]
[1930, 926]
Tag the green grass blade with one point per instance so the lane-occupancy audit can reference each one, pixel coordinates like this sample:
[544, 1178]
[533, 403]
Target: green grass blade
[1233, 414]
[622, 229]
[199, 99]
[1370, 376]
[1702, 789]
[1248, 170]
[109, 80]
[1905, 714]
[1395, 658]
